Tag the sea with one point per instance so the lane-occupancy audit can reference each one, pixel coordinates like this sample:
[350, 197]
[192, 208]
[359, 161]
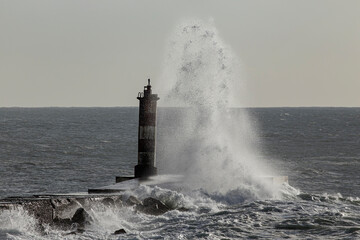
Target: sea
[62, 150]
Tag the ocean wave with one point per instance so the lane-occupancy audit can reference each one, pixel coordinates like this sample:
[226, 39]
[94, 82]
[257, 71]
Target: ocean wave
[238, 213]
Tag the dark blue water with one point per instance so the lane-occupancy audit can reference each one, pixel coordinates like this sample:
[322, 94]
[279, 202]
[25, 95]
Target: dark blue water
[54, 150]
[318, 148]
[65, 149]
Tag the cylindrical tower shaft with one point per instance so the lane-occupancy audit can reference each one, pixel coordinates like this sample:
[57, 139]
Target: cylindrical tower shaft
[147, 131]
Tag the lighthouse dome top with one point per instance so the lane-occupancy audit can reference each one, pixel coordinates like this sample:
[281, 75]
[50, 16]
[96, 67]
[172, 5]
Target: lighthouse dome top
[147, 94]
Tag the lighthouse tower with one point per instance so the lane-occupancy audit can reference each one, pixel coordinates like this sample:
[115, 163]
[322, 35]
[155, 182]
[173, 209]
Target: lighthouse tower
[147, 131]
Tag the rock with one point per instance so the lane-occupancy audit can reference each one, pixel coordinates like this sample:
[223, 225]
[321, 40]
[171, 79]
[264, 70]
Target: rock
[63, 224]
[120, 231]
[59, 202]
[78, 221]
[109, 202]
[119, 202]
[63, 206]
[152, 206]
[81, 217]
[183, 209]
[131, 201]
[40, 229]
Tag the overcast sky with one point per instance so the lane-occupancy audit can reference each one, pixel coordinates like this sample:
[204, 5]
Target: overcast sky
[100, 53]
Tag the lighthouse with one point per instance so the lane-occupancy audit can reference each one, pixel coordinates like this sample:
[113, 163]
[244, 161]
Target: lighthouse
[147, 132]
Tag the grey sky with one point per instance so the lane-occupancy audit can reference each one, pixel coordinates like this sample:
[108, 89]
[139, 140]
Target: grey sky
[100, 53]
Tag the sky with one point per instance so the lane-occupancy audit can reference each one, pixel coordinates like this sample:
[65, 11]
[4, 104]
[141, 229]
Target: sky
[83, 53]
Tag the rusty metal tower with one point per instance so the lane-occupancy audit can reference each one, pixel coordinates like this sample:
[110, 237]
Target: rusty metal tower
[147, 131]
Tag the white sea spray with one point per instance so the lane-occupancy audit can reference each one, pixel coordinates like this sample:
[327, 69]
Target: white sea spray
[17, 221]
[213, 145]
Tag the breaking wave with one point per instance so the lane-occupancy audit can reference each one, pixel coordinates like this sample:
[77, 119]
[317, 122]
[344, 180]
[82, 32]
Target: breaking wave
[213, 145]
[106, 219]
[204, 215]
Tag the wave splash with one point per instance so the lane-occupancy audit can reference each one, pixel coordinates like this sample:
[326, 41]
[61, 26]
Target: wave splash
[106, 219]
[194, 213]
[213, 145]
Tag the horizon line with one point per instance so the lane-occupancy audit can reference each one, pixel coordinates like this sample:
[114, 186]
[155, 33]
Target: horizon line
[134, 106]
